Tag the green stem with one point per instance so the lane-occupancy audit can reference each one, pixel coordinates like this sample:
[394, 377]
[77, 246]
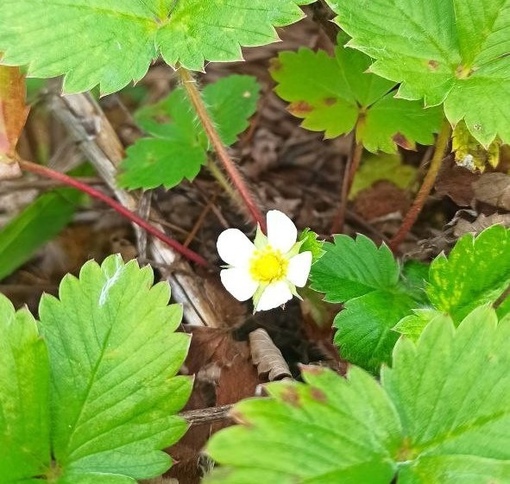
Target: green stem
[349, 174]
[230, 167]
[426, 187]
[133, 217]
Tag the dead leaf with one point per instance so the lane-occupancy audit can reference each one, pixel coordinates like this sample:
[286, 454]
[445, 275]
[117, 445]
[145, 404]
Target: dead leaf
[13, 110]
[493, 189]
[224, 374]
[268, 358]
[470, 154]
[456, 183]
[481, 223]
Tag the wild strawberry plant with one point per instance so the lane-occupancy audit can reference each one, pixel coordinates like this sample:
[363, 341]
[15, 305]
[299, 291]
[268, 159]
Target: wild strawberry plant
[90, 392]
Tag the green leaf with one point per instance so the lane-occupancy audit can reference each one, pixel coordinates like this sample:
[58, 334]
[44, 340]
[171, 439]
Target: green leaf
[413, 325]
[365, 333]
[452, 392]
[476, 272]
[114, 356]
[152, 162]
[344, 97]
[231, 101]
[441, 415]
[367, 280]
[111, 42]
[180, 146]
[503, 310]
[24, 399]
[382, 167]
[310, 243]
[34, 226]
[329, 430]
[452, 52]
[353, 267]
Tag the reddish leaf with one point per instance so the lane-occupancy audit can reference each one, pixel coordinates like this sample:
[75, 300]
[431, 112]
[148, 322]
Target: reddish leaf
[13, 110]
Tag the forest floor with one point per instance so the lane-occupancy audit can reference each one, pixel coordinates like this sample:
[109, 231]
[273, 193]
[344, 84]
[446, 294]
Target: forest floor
[288, 168]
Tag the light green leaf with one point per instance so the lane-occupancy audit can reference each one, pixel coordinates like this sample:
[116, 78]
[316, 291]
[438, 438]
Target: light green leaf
[152, 162]
[34, 226]
[231, 101]
[382, 167]
[344, 97]
[452, 392]
[367, 279]
[413, 325]
[111, 42]
[114, 356]
[365, 333]
[24, 399]
[180, 147]
[310, 243]
[453, 51]
[170, 118]
[476, 272]
[353, 267]
[329, 430]
[503, 310]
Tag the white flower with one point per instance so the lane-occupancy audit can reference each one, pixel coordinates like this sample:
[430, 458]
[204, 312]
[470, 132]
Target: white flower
[268, 269]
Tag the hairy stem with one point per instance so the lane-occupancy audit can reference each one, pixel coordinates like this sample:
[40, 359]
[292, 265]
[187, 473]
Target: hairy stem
[230, 167]
[426, 187]
[349, 174]
[133, 217]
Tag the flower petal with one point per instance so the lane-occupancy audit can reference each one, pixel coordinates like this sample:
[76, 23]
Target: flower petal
[299, 268]
[234, 247]
[281, 231]
[273, 296]
[238, 282]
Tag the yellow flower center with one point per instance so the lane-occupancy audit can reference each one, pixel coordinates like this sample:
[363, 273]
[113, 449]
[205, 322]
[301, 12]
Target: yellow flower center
[268, 265]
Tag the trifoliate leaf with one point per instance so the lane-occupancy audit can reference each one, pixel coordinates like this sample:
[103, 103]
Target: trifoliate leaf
[476, 271]
[382, 167]
[114, 356]
[34, 226]
[24, 398]
[367, 280]
[454, 52]
[470, 154]
[180, 146]
[329, 430]
[111, 42]
[344, 97]
[450, 390]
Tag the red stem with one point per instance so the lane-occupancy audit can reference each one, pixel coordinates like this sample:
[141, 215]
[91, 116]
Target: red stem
[133, 217]
[230, 167]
